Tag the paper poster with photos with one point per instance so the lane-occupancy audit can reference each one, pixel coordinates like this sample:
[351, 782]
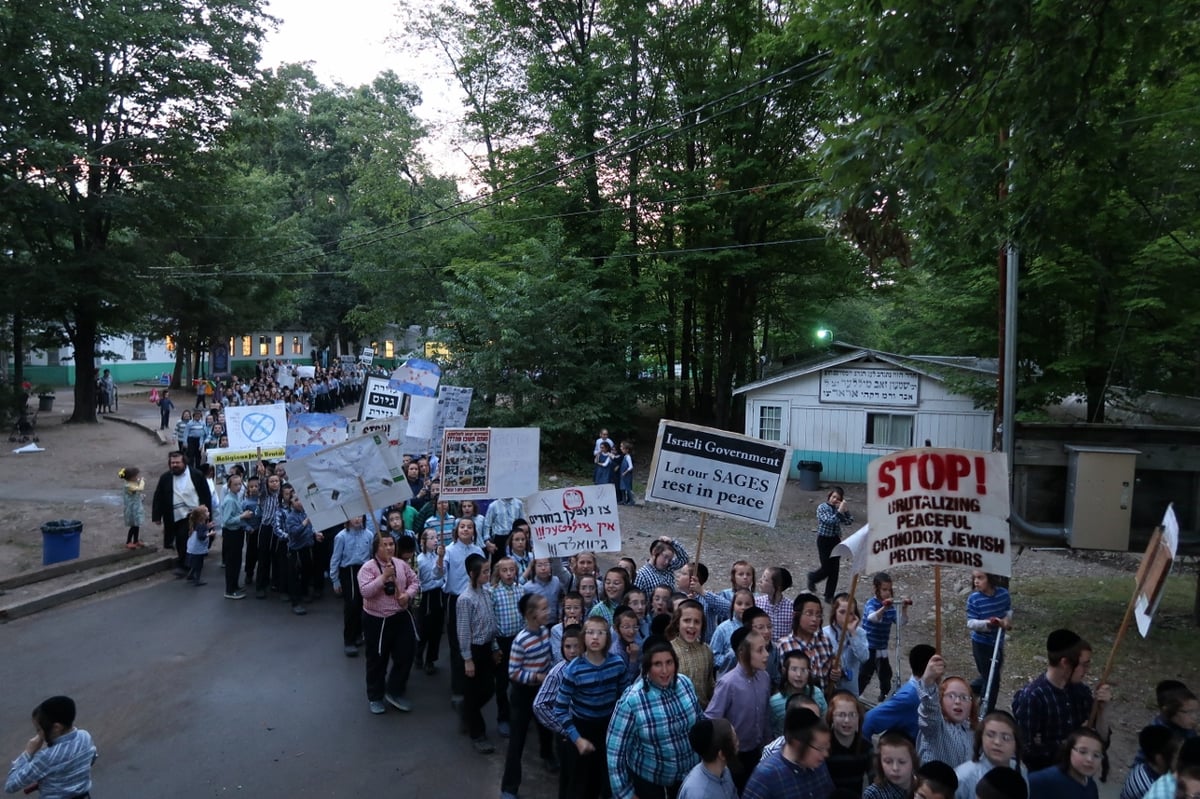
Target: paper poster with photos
[489, 462]
[464, 463]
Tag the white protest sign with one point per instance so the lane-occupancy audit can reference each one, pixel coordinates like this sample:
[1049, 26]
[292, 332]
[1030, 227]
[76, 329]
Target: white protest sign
[309, 432]
[285, 378]
[489, 462]
[368, 355]
[379, 401]
[327, 481]
[1152, 574]
[306, 371]
[392, 429]
[718, 472]
[453, 407]
[853, 549]
[421, 414]
[253, 426]
[939, 507]
[568, 521]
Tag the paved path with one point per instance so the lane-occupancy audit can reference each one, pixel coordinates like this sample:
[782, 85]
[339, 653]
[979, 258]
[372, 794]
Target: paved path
[191, 695]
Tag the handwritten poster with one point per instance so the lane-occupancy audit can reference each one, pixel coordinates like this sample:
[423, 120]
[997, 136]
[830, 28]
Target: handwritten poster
[567, 521]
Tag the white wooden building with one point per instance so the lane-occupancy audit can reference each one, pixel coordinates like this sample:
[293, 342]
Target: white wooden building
[854, 405]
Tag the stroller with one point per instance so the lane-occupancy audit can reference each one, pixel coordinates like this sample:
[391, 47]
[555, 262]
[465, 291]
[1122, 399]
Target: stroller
[24, 428]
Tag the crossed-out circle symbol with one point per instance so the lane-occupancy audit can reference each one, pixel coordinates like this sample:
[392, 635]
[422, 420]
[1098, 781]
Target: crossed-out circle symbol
[258, 427]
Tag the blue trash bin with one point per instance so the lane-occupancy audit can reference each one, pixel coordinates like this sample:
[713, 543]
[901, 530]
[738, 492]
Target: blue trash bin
[60, 540]
[810, 475]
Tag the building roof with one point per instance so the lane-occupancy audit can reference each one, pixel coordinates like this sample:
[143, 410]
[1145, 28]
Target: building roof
[931, 366]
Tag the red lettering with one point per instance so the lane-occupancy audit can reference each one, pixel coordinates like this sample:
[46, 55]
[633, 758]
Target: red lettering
[957, 466]
[931, 479]
[905, 463]
[980, 475]
[887, 483]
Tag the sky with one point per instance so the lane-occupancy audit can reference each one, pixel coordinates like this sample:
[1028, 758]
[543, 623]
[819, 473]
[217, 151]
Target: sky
[346, 43]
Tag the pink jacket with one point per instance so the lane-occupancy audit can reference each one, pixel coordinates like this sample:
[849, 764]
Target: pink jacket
[375, 601]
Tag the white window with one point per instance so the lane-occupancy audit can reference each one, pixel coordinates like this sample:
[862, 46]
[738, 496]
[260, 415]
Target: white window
[770, 422]
[890, 430]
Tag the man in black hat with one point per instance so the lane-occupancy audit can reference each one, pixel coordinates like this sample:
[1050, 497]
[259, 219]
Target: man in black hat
[1058, 702]
[180, 489]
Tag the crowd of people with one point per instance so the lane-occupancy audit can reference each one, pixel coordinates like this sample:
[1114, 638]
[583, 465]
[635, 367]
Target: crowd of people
[642, 679]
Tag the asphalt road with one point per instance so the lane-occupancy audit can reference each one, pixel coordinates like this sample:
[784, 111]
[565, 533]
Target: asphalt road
[188, 694]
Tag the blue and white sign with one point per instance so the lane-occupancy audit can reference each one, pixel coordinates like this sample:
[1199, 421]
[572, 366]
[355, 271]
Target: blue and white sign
[416, 377]
[252, 426]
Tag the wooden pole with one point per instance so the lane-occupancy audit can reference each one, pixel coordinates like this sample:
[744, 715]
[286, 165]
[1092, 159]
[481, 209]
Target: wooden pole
[699, 545]
[937, 609]
[362, 484]
[1108, 664]
[846, 619]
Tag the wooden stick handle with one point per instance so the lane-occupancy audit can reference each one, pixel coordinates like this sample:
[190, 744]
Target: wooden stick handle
[1112, 656]
[699, 543]
[846, 619]
[937, 609]
[362, 485]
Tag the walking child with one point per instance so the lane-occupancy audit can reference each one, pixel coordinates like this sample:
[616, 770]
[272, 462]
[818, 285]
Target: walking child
[625, 486]
[989, 610]
[529, 662]
[431, 567]
[135, 513]
[475, 626]
[165, 406]
[200, 538]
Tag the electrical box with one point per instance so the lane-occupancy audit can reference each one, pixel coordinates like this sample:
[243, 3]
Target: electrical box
[1099, 496]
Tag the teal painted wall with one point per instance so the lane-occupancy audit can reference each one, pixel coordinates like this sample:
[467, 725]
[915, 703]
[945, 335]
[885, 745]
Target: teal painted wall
[836, 467]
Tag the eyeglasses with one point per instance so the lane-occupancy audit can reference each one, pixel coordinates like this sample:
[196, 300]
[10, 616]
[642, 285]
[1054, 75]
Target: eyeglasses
[954, 697]
[992, 735]
[1089, 754]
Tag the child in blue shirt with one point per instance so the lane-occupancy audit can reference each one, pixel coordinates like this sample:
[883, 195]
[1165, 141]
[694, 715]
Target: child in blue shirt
[879, 616]
[989, 609]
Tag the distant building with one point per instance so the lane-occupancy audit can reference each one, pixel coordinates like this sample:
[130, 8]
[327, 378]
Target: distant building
[853, 405]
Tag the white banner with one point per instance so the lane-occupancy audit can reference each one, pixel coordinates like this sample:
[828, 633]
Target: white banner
[568, 521]
[489, 462]
[224, 457]
[379, 401]
[421, 413]
[718, 472]
[327, 481]
[939, 507]
[252, 426]
[368, 356]
[870, 386]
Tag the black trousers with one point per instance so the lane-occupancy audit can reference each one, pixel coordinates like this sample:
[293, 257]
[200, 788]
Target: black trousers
[175, 536]
[478, 690]
[299, 573]
[501, 671]
[393, 640]
[232, 542]
[432, 614]
[884, 667]
[591, 770]
[829, 566]
[521, 698]
[266, 557]
[352, 611]
[458, 679]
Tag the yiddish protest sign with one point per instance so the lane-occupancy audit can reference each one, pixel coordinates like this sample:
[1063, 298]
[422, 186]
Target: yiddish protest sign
[253, 426]
[393, 429]
[379, 401]
[718, 472]
[416, 377]
[453, 407]
[489, 462]
[567, 521]
[939, 507]
[327, 481]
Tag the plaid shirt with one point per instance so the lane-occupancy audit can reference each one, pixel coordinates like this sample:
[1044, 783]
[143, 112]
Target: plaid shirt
[780, 613]
[1046, 715]
[696, 663]
[504, 600]
[648, 735]
[830, 521]
[776, 777]
[547, 695]
[821, 656]
[939, 738]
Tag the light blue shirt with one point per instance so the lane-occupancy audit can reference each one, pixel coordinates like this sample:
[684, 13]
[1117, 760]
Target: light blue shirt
[350, 548]
[455, 562]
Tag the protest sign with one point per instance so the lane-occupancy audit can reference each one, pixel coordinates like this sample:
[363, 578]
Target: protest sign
[226, 456]
[939, 507]
[379, 401]
[567, 521]
[416, 377]
[327, 481]
[489, 462]
[253, 426]
[368, 355]
[718, 472]
[309, 432]
[453, 407]
[306, 371]
[421, 413]
[392, 429]
[1154, 569]
[285, 378]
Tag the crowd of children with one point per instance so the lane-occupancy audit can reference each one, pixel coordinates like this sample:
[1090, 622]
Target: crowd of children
[640, 681]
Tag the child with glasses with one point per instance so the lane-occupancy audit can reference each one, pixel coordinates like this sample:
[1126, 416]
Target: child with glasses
[997, 744]
[944, 716]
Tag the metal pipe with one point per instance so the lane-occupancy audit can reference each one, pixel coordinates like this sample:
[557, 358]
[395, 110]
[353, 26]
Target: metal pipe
[1037, 530]
[1007, 423]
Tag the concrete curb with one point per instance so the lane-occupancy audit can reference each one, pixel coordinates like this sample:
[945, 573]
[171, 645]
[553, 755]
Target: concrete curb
[155, 432]
[147, 568]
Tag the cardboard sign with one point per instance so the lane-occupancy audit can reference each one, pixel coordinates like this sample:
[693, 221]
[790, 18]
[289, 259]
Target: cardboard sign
[306, 371]
[224, 457]
[309, 432]
[1154, 569]
[327, 481]
[489, 462]
[568, 521]
[253, 426]
[718, 472]
[392, 429]
[416, 377]
[453, 407]
[379, 401]
[939, 507]
[368, 356]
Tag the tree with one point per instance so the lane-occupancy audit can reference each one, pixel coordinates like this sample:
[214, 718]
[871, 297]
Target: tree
[101, 95]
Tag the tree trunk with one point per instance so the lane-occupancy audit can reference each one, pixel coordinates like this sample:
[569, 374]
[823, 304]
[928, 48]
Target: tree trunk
[83, 336]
